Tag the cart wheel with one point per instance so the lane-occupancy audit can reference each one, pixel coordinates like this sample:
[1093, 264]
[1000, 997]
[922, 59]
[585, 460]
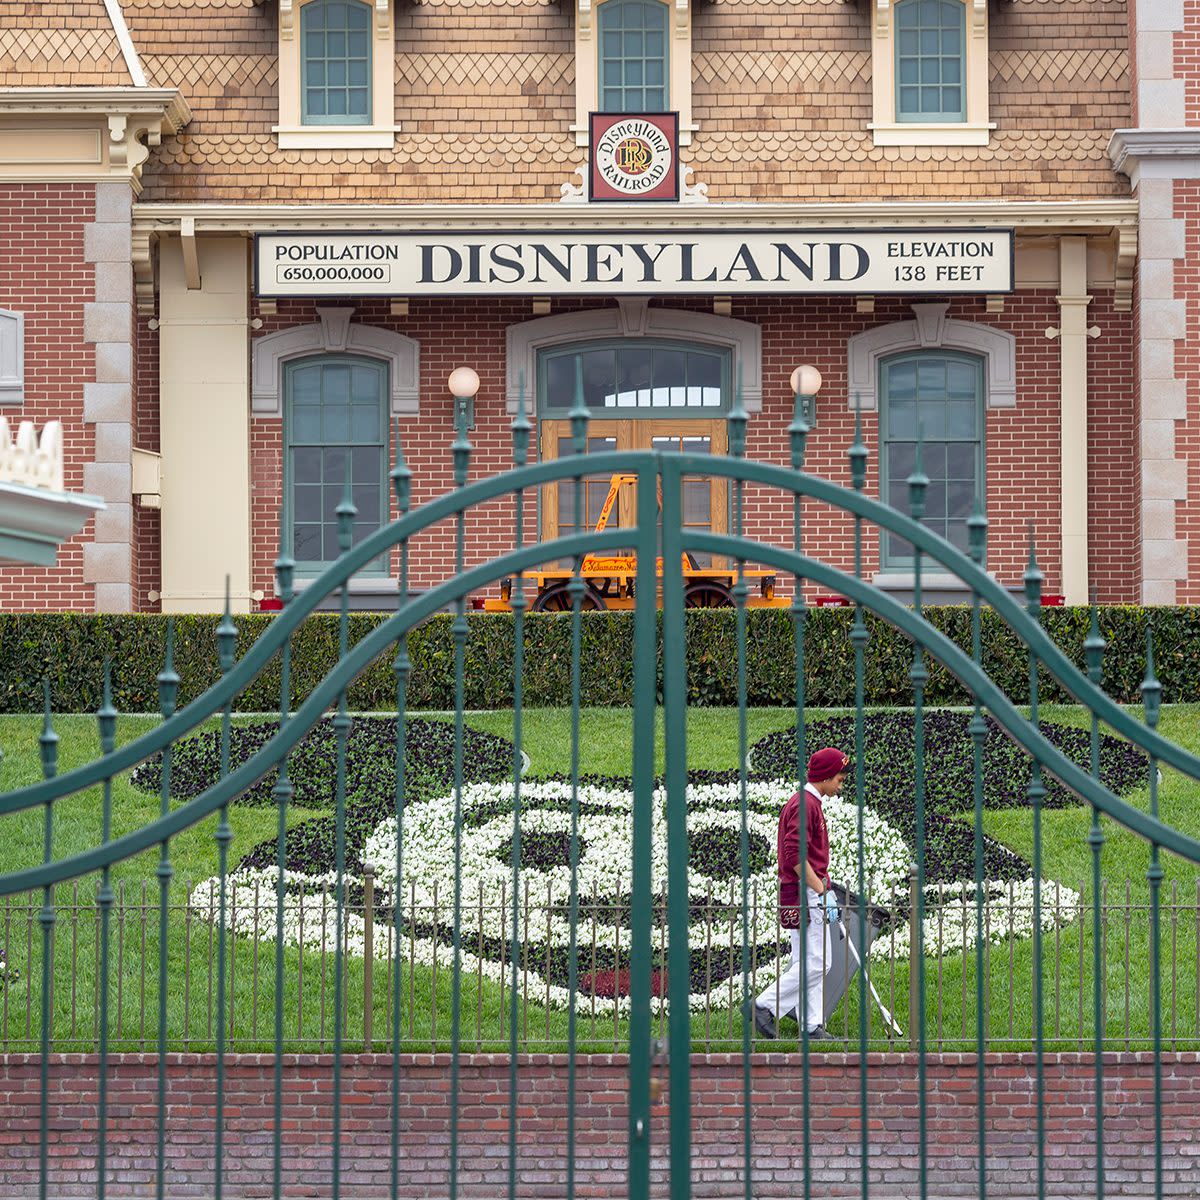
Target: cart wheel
[556, 598]
[707, 593]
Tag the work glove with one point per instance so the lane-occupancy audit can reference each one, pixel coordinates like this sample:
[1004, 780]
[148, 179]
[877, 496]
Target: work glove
[832, 914]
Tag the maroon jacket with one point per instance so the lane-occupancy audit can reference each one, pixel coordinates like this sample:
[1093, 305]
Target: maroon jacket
[788, 848]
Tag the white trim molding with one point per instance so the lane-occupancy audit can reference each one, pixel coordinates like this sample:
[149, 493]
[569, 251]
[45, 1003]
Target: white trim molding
[12, 357]
[631, 318]
[679, 65]
[291, 132]
[128, 50]
[931, 330]
[976, 127]
[334, 333]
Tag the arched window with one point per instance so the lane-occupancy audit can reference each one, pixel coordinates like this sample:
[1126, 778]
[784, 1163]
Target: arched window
[644, 395]
[335, 80]
[930, 54]
[334, 419]
[938, 396]
[633, 56]
[635, 377]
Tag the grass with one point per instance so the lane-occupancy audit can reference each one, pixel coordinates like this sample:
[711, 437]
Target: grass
[425, 995]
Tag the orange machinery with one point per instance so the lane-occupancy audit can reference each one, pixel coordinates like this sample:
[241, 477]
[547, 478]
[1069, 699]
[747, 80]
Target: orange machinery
[610, 579]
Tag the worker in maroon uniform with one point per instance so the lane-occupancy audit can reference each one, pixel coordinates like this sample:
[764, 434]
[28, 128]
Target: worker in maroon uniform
[826, 775]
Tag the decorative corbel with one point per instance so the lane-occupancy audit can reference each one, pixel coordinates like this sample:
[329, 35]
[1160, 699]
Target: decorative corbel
[883, 17]
[1127, 242]
[383, 16]
[574, 193]
[994, 302]
[126, 151]
[865, 305]
[118, 148]
[583, 17]
[287, 25]
[191, 255]
[143, 271]
[692, 193]
[979, 18]
[682, 16]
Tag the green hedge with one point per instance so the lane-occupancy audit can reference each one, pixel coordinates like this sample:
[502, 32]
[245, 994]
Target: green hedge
[70, 649]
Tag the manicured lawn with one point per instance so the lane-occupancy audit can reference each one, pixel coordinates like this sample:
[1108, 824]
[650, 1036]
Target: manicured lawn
[605, 748]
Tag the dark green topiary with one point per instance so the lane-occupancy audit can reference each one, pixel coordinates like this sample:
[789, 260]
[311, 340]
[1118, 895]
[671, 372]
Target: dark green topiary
[70, 648]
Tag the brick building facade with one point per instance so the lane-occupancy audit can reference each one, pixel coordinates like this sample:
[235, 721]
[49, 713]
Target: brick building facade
[145, 146]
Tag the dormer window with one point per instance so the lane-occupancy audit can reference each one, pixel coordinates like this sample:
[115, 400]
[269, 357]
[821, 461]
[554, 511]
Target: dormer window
[336, 74]
[930, 38]
[336, 62]
[929, 70]
[633, 56]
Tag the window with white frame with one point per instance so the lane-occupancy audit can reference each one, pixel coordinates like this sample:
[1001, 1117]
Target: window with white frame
[936, 399]
[336, 74]
[930, 73]
[633, 56]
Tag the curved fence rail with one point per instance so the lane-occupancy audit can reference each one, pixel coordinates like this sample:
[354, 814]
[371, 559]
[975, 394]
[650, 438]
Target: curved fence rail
[623, 941]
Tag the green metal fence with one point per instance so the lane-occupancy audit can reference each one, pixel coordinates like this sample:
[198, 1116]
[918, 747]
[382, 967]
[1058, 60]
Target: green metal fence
[658, 1024]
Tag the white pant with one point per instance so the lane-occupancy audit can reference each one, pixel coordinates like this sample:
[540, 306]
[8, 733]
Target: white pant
[783, 995]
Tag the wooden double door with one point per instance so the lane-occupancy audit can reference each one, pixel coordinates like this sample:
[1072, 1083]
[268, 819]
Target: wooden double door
[705, 499]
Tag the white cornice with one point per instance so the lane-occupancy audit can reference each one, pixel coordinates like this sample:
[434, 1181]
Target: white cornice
[167, 104]
[1034, 215]
[1173, 152]
[33, 522]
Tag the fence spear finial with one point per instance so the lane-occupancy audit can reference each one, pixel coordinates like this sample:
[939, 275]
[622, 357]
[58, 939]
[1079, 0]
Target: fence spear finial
[918, 481]
[168, 677]
[977, 525]
[1094, 644]
[1151, 685]
[737, 420]
[401, 476]
[521, 426]
[48, 739]
[858, 450]
[1033, 579]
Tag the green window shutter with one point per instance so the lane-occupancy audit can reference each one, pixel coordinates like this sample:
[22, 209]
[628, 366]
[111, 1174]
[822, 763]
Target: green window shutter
[633, 56]
[334, 413]
[939, 397]
[639, 378]
[930, 61]
[335, 63]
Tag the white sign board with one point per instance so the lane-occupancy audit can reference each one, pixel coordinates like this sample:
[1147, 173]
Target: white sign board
[815, 262]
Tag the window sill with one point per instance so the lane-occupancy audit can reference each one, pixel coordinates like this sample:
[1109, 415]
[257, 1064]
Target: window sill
[360, 585]
[917, 134]
[936, 587]
[336, 137]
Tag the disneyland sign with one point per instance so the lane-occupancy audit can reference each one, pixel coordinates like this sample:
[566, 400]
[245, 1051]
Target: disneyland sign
[634, 263]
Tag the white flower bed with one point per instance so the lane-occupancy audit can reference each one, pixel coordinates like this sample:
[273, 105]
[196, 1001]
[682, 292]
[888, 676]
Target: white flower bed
[605, 832]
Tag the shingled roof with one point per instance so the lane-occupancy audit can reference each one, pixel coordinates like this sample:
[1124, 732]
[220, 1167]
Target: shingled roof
[52, 44]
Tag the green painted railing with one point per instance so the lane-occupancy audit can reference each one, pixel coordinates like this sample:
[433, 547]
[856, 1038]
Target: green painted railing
[659, 474]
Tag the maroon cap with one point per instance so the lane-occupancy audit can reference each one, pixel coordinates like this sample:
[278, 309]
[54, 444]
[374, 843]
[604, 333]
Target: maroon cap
[825, 764]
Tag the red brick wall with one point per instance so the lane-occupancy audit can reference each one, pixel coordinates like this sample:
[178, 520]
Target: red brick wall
[1023, 474]
[1187, 58]
[147, 550]
[716, 1119]
[44, 276]
[1114, 470]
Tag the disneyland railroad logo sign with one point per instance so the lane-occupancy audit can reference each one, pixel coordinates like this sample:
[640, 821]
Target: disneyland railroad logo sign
[634, 156]
[563, 262]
